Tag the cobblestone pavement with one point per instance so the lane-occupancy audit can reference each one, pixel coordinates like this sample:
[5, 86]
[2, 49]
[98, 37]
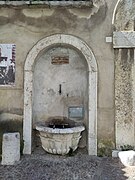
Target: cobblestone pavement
[79, 166]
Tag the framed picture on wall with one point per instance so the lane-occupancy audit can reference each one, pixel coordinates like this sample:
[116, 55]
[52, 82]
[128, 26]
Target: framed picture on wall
[7, 64]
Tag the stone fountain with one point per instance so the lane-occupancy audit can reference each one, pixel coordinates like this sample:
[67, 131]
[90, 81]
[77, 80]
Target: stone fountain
[59, 135]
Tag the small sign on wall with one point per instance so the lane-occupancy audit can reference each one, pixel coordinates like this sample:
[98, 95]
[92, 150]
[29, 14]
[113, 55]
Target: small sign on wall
[7, 64]
[76, 112]
[58, 60]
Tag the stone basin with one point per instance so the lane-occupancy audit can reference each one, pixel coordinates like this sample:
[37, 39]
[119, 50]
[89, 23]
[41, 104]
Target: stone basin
[59, 135]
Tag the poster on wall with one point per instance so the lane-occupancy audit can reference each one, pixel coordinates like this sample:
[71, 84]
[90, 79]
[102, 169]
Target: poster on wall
[7, 64]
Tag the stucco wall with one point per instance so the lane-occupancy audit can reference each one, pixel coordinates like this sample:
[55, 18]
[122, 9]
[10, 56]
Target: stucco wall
[26, 25]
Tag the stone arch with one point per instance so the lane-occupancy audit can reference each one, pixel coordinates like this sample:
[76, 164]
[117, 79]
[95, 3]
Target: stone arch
[92, 87]
[114, 12]
[124, 15]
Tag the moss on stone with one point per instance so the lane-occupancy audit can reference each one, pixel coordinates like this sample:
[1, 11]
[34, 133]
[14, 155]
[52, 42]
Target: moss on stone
[105, 147]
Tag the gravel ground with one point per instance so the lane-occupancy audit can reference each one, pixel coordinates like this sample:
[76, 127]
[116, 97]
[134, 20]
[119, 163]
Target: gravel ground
[79, 166]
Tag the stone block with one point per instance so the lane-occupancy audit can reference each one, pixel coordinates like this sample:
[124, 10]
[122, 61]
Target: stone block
[108, 39]
[124, 39]
[10, 148]
[127, 157]
[115, 153]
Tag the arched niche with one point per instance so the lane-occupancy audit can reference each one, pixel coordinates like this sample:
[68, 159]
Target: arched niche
[83, 48]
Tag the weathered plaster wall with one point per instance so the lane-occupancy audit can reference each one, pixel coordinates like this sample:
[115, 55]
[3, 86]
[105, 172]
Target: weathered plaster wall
[26, 25]
[124, 77]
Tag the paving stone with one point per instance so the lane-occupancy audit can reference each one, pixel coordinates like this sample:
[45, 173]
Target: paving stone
[80, 166]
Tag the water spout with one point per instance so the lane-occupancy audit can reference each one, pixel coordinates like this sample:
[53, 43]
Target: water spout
[60, 91]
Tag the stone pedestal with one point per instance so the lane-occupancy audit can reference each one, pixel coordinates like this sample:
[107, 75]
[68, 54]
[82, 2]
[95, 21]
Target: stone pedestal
[10, 148]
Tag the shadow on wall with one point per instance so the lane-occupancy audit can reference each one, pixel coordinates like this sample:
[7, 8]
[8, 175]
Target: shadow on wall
[10, 123]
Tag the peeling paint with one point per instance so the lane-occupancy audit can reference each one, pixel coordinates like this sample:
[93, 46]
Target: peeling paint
[4, 12]
[37, 13]
[87, 13]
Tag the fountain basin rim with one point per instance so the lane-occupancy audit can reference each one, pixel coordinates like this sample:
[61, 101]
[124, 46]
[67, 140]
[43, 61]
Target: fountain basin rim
[72, 130]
